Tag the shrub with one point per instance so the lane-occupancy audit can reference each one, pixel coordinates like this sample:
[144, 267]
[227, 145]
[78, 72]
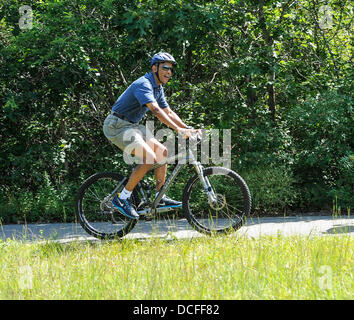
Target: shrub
[272, 189]
[50, 203]
[322, 133]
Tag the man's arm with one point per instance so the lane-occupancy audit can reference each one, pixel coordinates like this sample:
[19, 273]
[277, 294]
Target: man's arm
[164, 116]
[175, 118]
[170, 119]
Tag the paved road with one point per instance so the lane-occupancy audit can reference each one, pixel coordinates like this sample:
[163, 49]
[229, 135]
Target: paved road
[254, 227]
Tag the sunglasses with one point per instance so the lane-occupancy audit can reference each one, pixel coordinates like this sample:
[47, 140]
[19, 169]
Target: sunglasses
[166, 68]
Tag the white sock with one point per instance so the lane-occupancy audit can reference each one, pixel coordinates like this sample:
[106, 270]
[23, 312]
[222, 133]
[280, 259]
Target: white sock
[125, 194]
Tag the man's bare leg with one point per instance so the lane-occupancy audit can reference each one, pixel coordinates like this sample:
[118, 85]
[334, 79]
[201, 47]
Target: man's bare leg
[138, 173]
[151, 152]
[160, 172]
[160, 175]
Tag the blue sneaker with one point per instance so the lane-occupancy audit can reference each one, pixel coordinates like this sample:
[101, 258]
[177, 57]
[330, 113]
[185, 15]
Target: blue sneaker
[167, 202]
[125, 207]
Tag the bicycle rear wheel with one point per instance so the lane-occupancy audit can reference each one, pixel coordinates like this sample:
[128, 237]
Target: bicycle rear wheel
[94, 208]
[225, 215]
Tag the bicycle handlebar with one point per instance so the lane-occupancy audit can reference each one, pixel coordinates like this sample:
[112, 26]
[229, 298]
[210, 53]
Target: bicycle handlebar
[195, 137]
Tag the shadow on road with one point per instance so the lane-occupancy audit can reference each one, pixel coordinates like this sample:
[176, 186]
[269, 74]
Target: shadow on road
[349, 228]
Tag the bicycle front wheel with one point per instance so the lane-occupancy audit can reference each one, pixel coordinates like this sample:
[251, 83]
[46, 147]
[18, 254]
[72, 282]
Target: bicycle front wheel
[94, 208]
[226, 214]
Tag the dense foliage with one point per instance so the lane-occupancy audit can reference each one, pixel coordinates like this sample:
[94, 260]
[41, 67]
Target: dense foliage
[278, 73]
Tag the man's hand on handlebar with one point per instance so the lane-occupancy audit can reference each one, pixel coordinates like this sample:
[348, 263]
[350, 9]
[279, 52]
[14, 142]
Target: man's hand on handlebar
[190, 133]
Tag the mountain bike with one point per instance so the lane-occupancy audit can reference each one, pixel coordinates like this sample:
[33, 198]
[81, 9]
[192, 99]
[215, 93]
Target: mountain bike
[215, 199]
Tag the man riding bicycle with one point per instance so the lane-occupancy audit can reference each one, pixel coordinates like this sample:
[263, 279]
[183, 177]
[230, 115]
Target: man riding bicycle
[144, 94]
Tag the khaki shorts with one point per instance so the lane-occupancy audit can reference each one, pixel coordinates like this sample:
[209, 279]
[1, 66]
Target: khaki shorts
[124, 134]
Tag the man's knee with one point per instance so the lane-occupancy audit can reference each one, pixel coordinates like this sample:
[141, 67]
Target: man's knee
[161, 153]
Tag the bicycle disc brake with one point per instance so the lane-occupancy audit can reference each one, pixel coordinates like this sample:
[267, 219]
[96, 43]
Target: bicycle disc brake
[220, 202]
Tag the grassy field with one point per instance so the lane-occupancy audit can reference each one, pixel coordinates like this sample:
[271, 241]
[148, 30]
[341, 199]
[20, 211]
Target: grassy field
[204, 268]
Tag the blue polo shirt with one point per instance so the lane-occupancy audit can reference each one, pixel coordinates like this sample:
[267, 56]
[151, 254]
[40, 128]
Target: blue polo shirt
[132, 102]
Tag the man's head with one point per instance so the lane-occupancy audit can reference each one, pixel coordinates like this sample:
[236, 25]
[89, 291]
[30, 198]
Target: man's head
[162, 65]
[162, 71]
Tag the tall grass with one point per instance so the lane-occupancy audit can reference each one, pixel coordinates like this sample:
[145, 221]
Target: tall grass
[205, 268]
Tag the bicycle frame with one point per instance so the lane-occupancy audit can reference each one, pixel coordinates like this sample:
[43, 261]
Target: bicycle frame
[181, 157]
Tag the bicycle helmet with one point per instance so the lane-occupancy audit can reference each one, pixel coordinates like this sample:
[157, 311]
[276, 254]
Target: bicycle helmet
[162, 57]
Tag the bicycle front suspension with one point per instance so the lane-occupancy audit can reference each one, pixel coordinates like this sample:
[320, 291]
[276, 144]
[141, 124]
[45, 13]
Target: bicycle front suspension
[206, 184]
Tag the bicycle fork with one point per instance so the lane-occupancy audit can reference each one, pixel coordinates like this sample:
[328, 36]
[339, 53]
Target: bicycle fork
[212, 198]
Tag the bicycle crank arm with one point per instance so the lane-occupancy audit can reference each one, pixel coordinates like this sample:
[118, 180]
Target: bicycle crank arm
[149, 210]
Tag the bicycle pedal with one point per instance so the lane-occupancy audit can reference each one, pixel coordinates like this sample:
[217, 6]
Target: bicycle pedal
[144, 212]
[147, 217]
[165, 209]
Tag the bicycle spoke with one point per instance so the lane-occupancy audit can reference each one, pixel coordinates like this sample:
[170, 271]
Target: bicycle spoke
[95, 195]
[234, 208]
